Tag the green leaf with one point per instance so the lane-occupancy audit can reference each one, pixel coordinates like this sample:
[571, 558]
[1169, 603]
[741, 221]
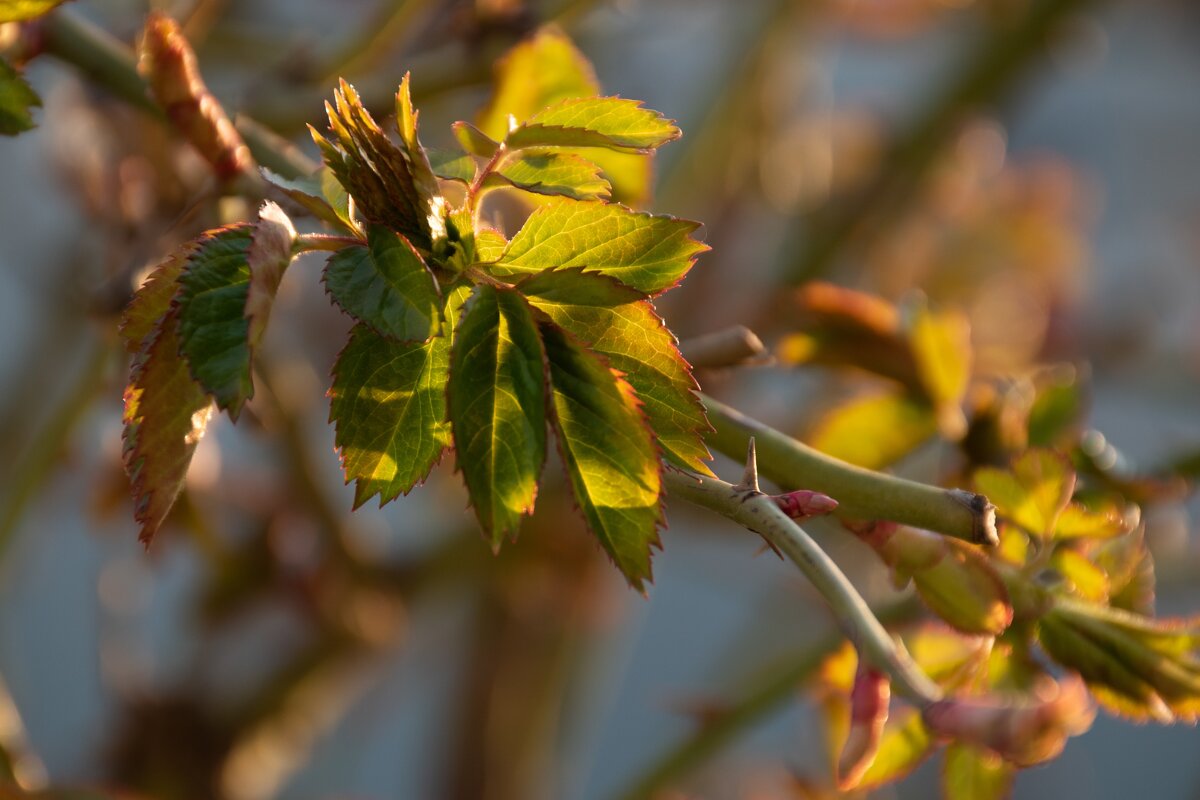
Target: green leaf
[617, 322]
[497, 401]
[321, 195]
[608, 451]
[649, 253]
[1084, 578]
[973, 774]
[269, 254]
[539, 72]
[414, 153]
[941, 348]
[906, 742]
[20, 10]
[489, 245]
[386, 285]
[213, 329]
[609, 122]
[474, 141]
[1033, 494]
[554, 173]
[388, 185]
[874, 431]
[166, 414]
[388, 406]
[152, 300]
[452, 166]
[16, 98]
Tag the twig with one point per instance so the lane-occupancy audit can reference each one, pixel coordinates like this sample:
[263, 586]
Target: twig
[759, 513]
[861, 493]
[729, 347]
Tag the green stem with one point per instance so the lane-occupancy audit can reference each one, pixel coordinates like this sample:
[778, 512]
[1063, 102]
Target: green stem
[758, 512]
[861, 493]
[766, 692]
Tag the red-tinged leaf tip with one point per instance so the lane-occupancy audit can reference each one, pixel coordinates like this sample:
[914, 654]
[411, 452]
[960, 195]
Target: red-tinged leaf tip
[869, 701]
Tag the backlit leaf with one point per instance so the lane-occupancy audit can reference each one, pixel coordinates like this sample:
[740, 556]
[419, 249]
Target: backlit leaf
[874, 431]
[452, 166]
[610, 122]
[620, 324]
[973, 774]
[497, 402]
[1033, 493]
[608, 452]
[269, 254]
[1102, 521]
[152, 300]
[1084, 578]
[474, 141]
[941, 347]
[649, 253]
[386, 285]
[378, 174]
[905, 744]
[213, 329]
[19, 10]
[321, 195]
[554, 173]
[16, 99]
[166, 414]
[410, 145]
[388, 406]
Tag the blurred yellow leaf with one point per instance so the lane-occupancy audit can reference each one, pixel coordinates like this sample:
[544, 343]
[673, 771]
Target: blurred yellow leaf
[874, 431]
[941, 345]
[1033, 493]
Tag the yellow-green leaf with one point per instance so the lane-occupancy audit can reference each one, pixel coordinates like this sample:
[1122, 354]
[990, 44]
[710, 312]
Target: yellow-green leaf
[610, 122]
[973, 774]
[1033, 493]
[617, 322]
[608, 451]
[875, 430]
[554, 173]
[647, 252]
[905, 744]
[152, 300]
[941, 347]
[497, 403]
[321, 195]
[1084, 578]
[20, 10]
[16, 99]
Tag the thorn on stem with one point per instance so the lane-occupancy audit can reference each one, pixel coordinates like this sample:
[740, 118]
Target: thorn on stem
[749, 480]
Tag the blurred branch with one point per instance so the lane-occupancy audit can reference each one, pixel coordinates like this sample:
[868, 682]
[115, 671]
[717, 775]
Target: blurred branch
[44, 450]
[861, 493]
[993, 71]
[386, 30]
[730, 347]
[111, 64]
[759, 513]
[758, 697]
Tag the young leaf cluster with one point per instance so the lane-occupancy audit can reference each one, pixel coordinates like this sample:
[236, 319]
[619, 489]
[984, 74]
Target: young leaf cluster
[463, 340]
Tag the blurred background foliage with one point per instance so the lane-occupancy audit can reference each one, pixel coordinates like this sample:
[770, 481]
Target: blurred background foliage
[961, 228]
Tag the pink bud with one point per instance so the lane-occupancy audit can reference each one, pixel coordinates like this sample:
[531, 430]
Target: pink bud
[868, 712]
[805, 503]
[1022, 732]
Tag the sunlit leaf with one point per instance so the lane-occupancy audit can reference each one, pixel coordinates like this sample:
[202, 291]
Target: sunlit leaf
[497, 403]
[152, 300]
[386, 285]
[452, 166]
[541, 71]
[321, 195]
[16, 100]
[554, 173]
[388, 406]
[875, 430]
[20, 10]
[905, 744]
[1058, 406]
[620, 324]
[166, 414]
[649, 253]
[965, 591]
[1084, 578]
[945, 655]
[489, 244]
[1033, 494]
[213, 329]
[269, 254]
[410, 145]
[608, 451]
[610, 122]
[379, 175]
[474, 141]
[973, 774]
[941, 347]
[1102, 521]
